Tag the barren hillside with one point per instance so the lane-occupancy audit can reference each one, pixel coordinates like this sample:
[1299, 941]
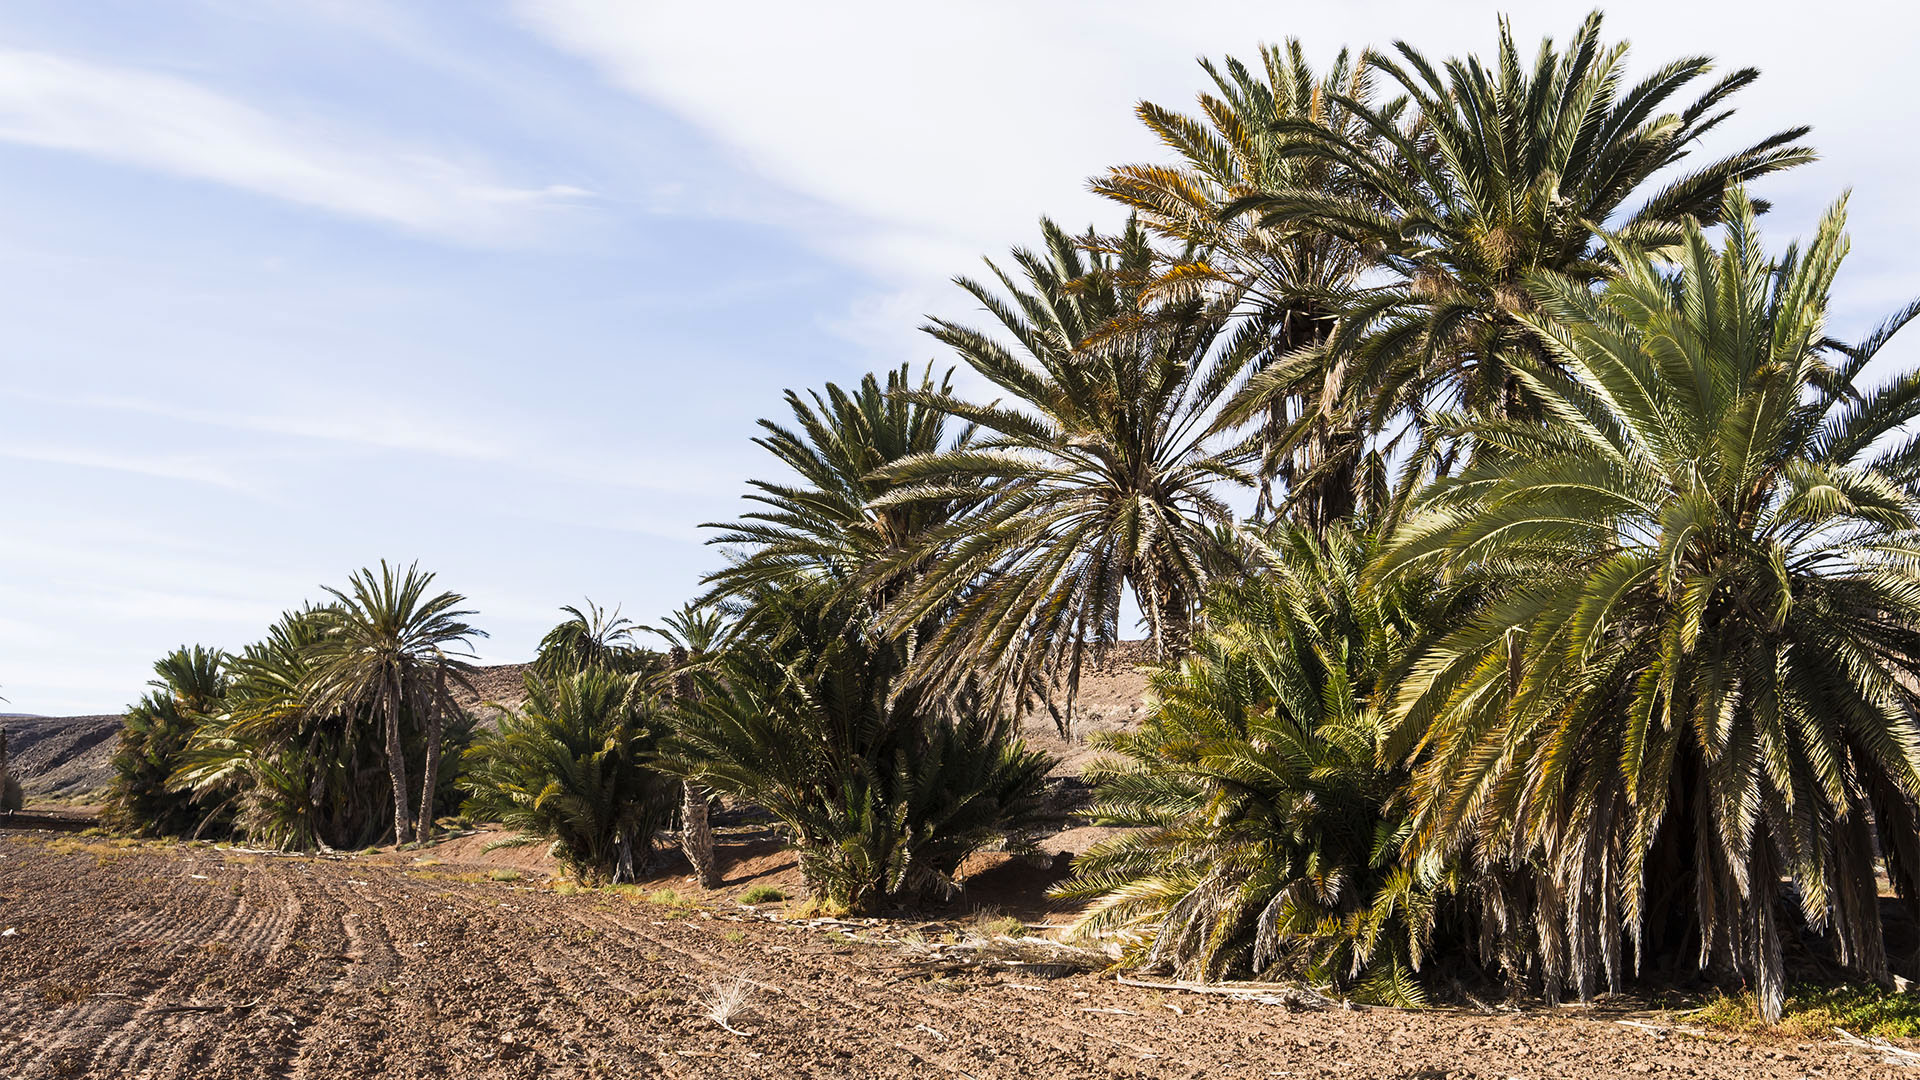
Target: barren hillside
[69, 757]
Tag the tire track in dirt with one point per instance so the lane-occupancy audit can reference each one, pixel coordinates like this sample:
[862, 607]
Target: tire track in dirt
[363, 968]
[155, 1039]
[254, 940]
[100, 1021]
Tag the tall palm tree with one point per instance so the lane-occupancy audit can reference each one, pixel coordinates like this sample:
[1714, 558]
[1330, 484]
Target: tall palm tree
[695, 636]
[390, 647]
[1285, 283]
[829, 523]
[1695, 673]
[1095, 473]
[1494, 173]
[293, 775]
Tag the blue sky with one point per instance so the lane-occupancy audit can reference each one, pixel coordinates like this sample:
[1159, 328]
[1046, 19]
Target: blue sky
[295, 285]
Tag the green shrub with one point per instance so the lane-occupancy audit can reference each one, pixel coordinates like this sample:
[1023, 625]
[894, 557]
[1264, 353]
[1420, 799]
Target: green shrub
[575, 763]
[154, 742]
[1263, 836]
[884, 791]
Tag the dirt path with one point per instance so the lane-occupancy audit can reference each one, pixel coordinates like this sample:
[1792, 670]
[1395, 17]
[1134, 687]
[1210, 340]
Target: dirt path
[189, 962]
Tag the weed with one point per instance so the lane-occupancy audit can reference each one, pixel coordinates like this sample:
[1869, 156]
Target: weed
[669, 898]
[728, 1001]
[763, 894]
[1817, 1010]
[734, 936]
[819, 907]
[992, 923]
[505, 875]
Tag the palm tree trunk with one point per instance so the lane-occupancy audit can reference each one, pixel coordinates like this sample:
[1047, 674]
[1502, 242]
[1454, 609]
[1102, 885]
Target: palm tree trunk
[430, 782]
[696, 833]
[397, 769]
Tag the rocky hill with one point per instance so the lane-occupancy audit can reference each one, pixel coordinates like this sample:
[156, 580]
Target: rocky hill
[61, 757]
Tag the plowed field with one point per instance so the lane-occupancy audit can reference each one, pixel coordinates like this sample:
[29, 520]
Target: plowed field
[192, 962]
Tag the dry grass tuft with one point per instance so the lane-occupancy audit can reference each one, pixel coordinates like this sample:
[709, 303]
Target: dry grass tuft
[727, 1002]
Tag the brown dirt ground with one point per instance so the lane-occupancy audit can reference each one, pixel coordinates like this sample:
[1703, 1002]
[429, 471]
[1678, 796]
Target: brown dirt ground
[187, 961]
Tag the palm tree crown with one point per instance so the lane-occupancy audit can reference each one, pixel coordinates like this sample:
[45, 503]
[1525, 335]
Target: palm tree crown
[388, 647]
[1097, 469]
[1494, 174]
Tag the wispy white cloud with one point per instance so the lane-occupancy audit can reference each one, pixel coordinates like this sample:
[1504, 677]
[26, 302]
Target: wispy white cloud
[189, 468]
[173, 125]
[391, 428]
[940, 132]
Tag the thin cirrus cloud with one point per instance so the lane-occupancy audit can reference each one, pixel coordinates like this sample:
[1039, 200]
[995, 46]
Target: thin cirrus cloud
[191, 468]
[942, 131]
[172, 125]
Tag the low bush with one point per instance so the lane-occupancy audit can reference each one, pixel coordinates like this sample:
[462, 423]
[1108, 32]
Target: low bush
[884, 791]
[1263, 837]
[575, 763]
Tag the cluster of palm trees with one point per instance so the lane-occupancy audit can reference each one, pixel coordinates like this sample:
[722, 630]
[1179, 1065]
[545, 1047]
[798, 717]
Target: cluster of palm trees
[1530, 571]
[294, 741]
[1570, 631]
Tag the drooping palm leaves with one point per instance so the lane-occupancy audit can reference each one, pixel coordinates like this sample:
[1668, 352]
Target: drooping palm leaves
[1096, 468]
[575, 763]
[1496, 172]
[884, 789]
[833, 522]
[1264, 839]
[389, 647]
[1696, 677]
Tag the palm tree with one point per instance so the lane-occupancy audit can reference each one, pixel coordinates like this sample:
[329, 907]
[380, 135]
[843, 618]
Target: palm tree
[1695, 672]
[388, 648]
[1494, 174]
[884, 789]
[1286, 284]
[695, 635]
[1095, 474]
[190, 688]
[288, 774]
[593, 638]
[574, 762]
[829, 523]
[1261, 835]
